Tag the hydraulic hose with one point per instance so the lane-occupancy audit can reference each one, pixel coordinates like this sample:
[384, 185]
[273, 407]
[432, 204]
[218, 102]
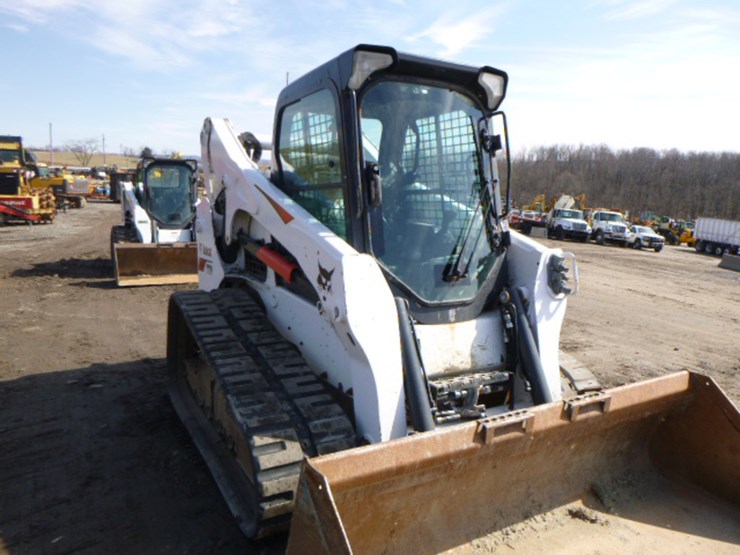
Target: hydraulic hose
[414, 378]
[529, 354]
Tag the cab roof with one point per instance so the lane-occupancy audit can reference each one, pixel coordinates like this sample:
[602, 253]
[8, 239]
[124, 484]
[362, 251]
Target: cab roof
[338, 71]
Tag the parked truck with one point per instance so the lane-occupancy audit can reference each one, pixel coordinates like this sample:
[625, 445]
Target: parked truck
[717, 236]
[566, 221]
[609, 227]
[642, 236]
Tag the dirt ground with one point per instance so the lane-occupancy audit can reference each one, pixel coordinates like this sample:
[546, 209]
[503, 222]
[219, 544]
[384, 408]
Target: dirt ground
[642, 314]
[92, 456]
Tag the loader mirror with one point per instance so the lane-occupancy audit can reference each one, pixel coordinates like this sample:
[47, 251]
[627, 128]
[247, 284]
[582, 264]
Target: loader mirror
[491, 143]
[500, 141]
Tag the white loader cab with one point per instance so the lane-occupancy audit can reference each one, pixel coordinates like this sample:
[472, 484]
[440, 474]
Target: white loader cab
[156, 243]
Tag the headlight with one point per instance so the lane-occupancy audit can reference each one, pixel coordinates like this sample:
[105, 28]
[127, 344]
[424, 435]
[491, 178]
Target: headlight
[365, 64]
[566, 225]
[494, 85]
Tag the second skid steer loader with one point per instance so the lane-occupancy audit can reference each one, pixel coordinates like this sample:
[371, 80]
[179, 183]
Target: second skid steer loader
[156, 243]
[367, 324]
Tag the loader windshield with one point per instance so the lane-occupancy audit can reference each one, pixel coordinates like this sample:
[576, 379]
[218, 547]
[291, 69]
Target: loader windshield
[169, 194]
[9, 155]
[434, 228]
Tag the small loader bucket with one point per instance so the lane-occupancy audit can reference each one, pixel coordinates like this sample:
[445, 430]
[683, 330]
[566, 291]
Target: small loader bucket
[657, 461]
[149, 264]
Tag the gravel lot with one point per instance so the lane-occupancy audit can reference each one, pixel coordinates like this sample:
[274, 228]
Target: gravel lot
[92, 456]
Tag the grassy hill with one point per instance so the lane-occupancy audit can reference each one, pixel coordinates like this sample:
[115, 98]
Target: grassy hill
[68, 159]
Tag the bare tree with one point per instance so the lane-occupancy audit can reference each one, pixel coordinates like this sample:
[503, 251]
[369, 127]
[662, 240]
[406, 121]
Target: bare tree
[673, 183]
[83, 150]
[129, 152]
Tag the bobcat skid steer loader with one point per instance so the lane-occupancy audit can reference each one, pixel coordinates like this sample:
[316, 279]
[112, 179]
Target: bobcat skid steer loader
[156, 243]
[374, 353]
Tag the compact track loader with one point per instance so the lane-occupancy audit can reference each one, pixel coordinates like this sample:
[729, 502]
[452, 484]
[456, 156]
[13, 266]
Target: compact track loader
[156, 243]
[374, 353]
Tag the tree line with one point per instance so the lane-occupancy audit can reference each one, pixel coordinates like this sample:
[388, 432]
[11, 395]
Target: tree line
[668, 183]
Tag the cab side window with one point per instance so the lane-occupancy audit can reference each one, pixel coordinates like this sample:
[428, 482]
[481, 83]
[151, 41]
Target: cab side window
[311, 159]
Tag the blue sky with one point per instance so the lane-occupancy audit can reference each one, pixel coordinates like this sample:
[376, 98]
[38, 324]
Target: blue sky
[625, 73]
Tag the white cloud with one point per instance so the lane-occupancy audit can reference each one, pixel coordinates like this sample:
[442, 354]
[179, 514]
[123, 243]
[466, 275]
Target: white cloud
[252, 97]
[146, 33]
[212, 29]
[617, 71]
[18, 27]
[667, 88]
[455, 34]
[38, 11]
[641, 9]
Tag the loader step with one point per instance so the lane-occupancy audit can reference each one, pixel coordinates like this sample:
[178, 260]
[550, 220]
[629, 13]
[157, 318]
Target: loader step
[255, 410]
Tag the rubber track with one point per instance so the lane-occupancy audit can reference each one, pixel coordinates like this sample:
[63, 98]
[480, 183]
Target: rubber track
[282, 409]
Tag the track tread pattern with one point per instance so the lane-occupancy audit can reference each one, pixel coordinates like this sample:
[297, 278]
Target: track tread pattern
[283, 411]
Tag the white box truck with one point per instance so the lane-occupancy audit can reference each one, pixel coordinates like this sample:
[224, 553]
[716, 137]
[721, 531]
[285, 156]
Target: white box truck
[716, 236]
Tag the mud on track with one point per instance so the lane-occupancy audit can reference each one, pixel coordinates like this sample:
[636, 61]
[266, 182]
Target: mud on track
[92, 456]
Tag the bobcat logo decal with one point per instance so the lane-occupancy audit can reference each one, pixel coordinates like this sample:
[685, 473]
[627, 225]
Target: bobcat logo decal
[324, 278]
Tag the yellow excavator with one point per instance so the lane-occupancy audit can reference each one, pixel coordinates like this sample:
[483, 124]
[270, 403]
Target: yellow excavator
[538, 204]
[372, 361]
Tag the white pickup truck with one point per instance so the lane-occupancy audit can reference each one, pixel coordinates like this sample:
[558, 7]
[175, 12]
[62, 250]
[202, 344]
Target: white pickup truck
[643, 236]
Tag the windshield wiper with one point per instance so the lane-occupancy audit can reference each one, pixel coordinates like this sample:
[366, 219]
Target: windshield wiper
[452, 271]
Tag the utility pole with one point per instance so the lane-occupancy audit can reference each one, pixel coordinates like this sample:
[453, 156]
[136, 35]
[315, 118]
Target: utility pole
[104, 150]
[51, 146]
